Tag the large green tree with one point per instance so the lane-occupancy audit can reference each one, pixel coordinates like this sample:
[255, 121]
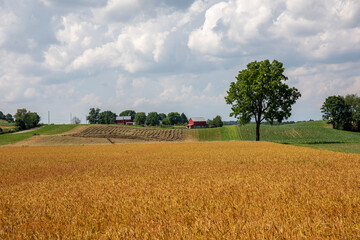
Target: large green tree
[153, 119]
[93, 116]
[140, 118]
[217, 121]
[184, 119]
[9, 118]
[2, 116]
[131, 113]
[353, 101]
[260, 93]
[162, 116]
[174, 118]
[25, 119]
[107, 117]
[337, 112]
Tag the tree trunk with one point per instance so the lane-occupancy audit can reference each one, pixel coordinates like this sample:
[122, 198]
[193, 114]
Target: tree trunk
[257, 131]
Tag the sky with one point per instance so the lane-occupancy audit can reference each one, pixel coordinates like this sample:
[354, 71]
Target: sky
[64, 57]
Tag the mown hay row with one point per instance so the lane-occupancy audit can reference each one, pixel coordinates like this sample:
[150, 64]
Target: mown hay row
[131, 133]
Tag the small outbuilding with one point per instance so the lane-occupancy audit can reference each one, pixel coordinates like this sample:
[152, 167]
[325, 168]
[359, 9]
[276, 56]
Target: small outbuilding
[124, 120]
[197, 122]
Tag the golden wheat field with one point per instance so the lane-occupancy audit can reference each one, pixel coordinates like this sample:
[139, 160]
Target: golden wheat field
[218, 190]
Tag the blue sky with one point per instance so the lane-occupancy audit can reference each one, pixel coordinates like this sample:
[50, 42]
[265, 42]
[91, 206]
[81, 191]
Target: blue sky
[156, 55]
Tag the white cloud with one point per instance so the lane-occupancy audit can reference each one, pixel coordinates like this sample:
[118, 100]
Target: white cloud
[158, 55]
[29, 92]
[7, 20]
[89, 100]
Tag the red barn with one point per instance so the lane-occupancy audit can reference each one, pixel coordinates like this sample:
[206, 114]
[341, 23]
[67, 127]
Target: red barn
[125, 120]
[197, 122]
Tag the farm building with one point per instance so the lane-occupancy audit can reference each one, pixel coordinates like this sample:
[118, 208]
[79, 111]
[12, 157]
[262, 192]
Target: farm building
[197, 122]
[125, 120]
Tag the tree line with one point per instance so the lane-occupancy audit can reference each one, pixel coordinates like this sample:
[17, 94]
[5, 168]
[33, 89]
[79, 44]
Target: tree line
[140, 118]
[8, 117]
[342, 112]
[23, 119]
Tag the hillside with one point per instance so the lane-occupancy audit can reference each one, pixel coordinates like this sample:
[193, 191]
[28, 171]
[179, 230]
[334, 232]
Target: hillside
[10, 138]
[315, 132]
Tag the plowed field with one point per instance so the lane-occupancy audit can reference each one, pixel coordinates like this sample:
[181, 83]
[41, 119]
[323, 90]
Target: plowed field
[131, 133]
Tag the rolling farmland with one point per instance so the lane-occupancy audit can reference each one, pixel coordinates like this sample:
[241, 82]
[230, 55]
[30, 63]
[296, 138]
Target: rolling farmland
[226, 190]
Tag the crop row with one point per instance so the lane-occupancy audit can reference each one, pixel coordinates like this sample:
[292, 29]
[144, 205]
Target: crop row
[131, 133]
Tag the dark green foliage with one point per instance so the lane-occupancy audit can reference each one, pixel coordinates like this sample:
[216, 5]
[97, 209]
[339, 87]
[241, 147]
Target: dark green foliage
[217, 121]
[337, 112]
[140, 118]
[174, 118]
[184, 119]
[166, 121]
[26, 119]
[153, 119]
[107, 117]
[9, 118]
[93, 116]
[353, 101]
[131, 113]
[162, 116]
[260, 93]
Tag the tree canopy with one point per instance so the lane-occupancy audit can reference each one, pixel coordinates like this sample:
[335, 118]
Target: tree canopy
[131, 113]
[140, 118]
[342, 112]
[217, 121]
[260, 93]
[107, 117]
[162, 116]
[153, 119]
[93, 116]
[25, 119]
[174, 118]
[184, 119]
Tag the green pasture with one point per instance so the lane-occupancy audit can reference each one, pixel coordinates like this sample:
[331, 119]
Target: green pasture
[4, 123]
[315, 134]
[45, 130]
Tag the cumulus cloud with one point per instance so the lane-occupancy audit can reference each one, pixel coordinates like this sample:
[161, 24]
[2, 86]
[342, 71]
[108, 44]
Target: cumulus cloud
[160, 55]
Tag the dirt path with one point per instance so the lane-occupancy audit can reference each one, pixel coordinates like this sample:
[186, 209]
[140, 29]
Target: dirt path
[29, 130]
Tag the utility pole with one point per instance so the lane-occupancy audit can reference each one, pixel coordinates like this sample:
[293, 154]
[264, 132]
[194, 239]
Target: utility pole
[70, 118]
[48, 117]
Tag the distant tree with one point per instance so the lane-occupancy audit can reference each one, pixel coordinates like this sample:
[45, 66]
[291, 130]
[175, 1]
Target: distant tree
[9, 118]
[217, 121]
[162, 116]
[153, 119]
[260, 93]
[174, 118]
[336, 112]
[353, 101]
[184, 119]
[25, 119]
[140, 118]
[131, 113]
[166, 121]
[75, 120]
[2, 116]
[210, 122]
[107, 117]
[93, 116]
